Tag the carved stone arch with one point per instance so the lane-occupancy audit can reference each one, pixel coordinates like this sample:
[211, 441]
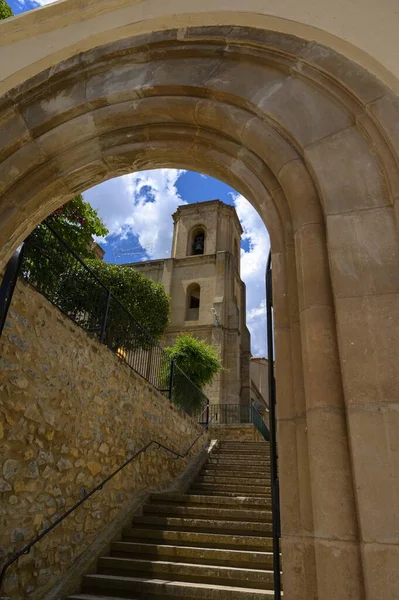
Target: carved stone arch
[309, 138]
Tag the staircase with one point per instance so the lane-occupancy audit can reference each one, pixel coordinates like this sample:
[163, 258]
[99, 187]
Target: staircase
[212, 543]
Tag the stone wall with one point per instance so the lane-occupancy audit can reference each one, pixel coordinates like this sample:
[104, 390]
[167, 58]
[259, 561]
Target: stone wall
[71, 412]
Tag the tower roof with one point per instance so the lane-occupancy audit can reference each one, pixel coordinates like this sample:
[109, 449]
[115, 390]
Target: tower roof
[215, 204]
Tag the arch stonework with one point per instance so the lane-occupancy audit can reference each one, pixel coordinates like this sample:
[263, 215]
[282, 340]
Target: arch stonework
[309, 138]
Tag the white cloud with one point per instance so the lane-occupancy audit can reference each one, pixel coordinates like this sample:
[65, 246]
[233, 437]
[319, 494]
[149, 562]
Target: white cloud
[141, 203]
[253, 269]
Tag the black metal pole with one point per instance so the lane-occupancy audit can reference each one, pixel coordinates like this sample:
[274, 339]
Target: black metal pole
[171, 378]
[8, 284]
[105, 319]
[273, 437]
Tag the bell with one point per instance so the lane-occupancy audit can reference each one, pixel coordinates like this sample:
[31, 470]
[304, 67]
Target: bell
[198, 246]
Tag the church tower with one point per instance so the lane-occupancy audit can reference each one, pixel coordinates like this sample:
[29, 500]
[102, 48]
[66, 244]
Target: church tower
[202, 278]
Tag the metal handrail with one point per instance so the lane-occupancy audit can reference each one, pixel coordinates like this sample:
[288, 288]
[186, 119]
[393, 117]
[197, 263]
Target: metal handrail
[260, 424]
[98, 487]
[8, 284]
[275, 487]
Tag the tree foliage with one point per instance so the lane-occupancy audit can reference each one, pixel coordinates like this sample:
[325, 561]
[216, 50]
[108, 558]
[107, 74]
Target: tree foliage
[77, 223]
[200, 362]
[5, 10]
[82, 293]
[145, 300]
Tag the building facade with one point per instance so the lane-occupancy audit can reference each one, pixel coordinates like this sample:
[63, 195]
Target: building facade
[202, 278]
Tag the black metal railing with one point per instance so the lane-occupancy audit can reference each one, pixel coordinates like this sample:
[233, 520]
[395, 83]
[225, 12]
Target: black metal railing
[58, 273]
[229, 414]
[275, 486]
[8, 285]
[152, 443]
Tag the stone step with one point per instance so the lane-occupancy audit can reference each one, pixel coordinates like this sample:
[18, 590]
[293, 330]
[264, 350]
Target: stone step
[206, 525]
[214, 460]
[242, 451]
[238, 514]
[233, 479]
[260, 496]
[248, 475]
[230, 487]
[165, 589]
[216, 556]
[188, 499]
[170, 570]
[199, 539]
[233, 466]
[244, 444]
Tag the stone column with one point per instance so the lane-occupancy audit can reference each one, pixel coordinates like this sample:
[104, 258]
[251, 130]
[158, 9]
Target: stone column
[338, 561]
[367, 309]
[297, 580]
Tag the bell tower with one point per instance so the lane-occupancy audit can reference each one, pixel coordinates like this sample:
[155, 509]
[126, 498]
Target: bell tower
[207, 294]
[202, 278]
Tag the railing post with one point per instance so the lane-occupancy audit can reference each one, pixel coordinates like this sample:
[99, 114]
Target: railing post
[8, 284]
[105, 319]
[273, 437]
[171, 378]
[207, 412]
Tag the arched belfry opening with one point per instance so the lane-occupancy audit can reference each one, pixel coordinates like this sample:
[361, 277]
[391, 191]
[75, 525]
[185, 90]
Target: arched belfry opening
[310, 138]
[197, 242]
[193, 301]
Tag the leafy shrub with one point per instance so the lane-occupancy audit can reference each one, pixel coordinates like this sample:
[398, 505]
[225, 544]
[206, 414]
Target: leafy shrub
[200, 362]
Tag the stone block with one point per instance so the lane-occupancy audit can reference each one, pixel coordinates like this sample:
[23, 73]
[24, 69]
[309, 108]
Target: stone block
[364, 253]
[314, 287]
[289, 485]
[361, 83]
[386, 111]
[307, 113]
[381, 570]
[322, 377]
[299, 570]
[348, 173]
[339, 570]
[368, 333]
[375, 458]
[301, 194]
[331, 475]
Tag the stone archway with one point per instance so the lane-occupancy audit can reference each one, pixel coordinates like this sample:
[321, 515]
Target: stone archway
[308, 137]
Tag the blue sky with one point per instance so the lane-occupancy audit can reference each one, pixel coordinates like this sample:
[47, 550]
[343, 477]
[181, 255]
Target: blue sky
[137, 209]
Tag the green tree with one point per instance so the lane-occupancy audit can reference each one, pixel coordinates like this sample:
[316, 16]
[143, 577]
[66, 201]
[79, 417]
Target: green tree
[82, 293]
[46, 258]
[197, 360]
[77, 223]
[145, 300]
[5, 10]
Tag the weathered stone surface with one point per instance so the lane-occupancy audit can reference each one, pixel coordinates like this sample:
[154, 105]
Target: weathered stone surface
[59, 445]
[64, 464]
[94, 468]
[4, 485]
[11, 468]
[32, 412]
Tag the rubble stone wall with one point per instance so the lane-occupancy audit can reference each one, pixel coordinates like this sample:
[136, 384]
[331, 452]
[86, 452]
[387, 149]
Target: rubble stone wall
[70, 413]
